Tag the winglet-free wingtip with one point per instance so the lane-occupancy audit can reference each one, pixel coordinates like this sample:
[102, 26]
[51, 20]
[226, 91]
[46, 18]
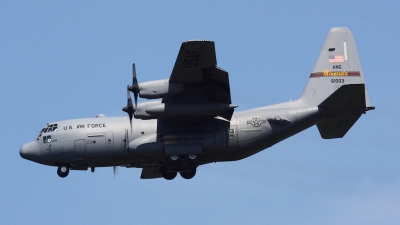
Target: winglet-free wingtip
[197, 40]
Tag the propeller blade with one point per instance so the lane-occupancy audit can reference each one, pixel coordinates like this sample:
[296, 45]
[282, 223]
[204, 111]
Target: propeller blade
[115, 170]
[136, 96]
[130, 120]
[134, 73]
[129, 107]
[135, 86]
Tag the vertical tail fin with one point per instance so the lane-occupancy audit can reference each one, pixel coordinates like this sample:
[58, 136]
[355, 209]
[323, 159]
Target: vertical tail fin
[337, 64]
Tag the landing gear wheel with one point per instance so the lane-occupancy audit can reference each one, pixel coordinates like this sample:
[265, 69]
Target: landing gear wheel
[173, 159]
[168, 175]
[192, 159]
[188, 174]
[63, 171]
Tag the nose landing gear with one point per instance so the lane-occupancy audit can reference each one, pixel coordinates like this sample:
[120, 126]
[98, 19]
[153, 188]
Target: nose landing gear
[63, 170]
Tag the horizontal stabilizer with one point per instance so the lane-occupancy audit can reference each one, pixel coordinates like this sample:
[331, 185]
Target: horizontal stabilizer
[150, 173]
[350, 96]
[336, 127]
[343, 108]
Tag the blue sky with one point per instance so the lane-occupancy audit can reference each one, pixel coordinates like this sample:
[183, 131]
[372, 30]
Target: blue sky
[72, 59]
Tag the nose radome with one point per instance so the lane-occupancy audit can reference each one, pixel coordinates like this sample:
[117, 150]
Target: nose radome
[30, 151]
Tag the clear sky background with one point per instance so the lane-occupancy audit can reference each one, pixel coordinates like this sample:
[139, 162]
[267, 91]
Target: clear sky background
[72, 59]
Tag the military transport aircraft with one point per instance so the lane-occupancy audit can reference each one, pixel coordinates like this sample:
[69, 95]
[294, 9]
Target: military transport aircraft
[194, 121]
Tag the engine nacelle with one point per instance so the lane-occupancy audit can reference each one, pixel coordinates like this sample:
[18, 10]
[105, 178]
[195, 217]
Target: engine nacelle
[156, 109]
[141, 113]
[159, 88]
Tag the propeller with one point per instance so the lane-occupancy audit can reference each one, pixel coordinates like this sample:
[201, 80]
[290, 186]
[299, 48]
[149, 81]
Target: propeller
[135, 86]
[115, 170]
[129, 107]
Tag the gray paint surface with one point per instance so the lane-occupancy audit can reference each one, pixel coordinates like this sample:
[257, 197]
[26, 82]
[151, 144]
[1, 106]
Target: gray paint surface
[198, 120]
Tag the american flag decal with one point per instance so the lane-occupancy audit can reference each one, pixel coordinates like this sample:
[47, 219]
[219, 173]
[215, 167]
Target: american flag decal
[336, 58]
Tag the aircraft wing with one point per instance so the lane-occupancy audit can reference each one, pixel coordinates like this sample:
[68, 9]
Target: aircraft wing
[196, 68]
[192, 58]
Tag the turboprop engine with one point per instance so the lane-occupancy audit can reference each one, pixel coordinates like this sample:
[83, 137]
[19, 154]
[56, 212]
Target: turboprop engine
[157, 109]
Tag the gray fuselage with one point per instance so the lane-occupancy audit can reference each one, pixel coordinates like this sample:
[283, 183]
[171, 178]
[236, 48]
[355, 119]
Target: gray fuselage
[109, 141]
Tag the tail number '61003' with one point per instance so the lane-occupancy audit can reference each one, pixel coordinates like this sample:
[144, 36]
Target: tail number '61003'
[337, 80]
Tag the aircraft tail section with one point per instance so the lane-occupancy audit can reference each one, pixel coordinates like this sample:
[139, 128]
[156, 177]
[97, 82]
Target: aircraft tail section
[336, 85]
[341, 110]
[338, 64]
[337, 127]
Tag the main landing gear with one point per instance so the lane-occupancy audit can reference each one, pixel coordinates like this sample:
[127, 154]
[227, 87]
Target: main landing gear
[187, 173]
[174, 160]
[177, 159]
[167, 174]
[63, 170]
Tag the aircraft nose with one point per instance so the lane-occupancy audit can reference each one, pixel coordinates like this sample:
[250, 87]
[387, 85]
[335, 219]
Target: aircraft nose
[30, 151]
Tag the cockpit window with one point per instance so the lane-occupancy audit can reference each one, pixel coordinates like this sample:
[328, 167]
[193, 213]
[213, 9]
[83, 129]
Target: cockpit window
[50, 128]
[47, 139]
